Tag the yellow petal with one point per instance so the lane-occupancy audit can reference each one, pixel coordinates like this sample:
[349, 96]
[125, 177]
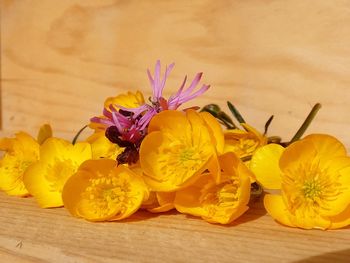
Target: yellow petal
[216, 129]
[309, 219]
[165, 202]
[40, 188]
[102, 166]
[101, 147]
[260, 137]
[6, 144]
[150, 202]
[22, 151]
[216, 202]
[341, 220]
[176, 155]
[187, 200]
[231, 165]
[44, 133]
[327, 145]
[136, 191]
[265, 165]
[169, 119]
[214, 168]
[59, 160]
[53, 148]
[296, 153]
[101, 191]
[127, 100]
[81, 152]
[339, 169]
[72, 189]
[76, 184]
[12, 168]
[275, 206]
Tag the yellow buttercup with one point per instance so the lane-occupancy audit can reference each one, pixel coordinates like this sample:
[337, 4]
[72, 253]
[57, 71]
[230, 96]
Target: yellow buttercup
[313, 175]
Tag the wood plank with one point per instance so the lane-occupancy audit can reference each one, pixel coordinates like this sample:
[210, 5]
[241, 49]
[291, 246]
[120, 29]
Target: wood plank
[41, 235]
[62, 58]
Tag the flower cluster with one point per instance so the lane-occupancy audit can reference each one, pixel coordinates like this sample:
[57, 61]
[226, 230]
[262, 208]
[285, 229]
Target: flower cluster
[158, 157]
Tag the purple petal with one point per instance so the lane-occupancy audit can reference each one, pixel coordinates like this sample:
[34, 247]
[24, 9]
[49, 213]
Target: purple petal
[156, 87]
[102, 121]
[150, 78]
[183, 96]
[194, 83]
[167, 72]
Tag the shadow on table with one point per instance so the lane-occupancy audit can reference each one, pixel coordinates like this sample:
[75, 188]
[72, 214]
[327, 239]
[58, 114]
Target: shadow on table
[256, 210]
[143, 215]
[336, 257]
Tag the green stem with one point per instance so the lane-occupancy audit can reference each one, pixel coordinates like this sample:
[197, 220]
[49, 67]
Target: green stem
[274, 139]
[235, 112]
[246, 158]
[306, 123]
[267, 124]
[78, 134]
[215, 110]
[256, 189]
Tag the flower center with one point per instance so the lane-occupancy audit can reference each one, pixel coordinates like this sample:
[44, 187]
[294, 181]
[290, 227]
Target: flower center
[181, 160]
[312, 189]
[214, 197]
[309, 188]
[186, 155]
[14, 168]
[20, 166]
[244, 146]
[108, 195]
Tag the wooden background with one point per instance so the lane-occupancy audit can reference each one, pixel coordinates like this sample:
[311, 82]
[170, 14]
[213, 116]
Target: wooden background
[60, 59]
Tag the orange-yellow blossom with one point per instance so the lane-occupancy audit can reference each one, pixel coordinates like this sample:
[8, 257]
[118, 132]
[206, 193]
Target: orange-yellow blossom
[21, 152]
[103, 191]
[101, 147]
[179, 148]
[59, 160]
[314, 177]
[218, 202]
[127, 100]
[159, 202]
[244, 142]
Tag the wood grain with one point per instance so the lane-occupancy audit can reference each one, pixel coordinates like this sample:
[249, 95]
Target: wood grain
[60, 59]
[51, 235]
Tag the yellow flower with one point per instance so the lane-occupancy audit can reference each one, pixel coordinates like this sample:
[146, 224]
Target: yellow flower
[21, 152]
[159, 202]
[127, 100]
[44, 133]
[101, 147]
[59, 160]
[178, 149]
[244, 143]
[314, 177]
[220, 202]
[101, 191]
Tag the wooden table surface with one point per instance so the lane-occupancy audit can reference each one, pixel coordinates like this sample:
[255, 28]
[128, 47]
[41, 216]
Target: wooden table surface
[60, 59]
[31, 234]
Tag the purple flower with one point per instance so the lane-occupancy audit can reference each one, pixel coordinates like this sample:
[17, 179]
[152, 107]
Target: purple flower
[175, 100]
[128, 126]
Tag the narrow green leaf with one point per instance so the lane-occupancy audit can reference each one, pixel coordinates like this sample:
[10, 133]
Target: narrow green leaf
[267, 124]
[235, 113]
[306, 123]
[78, 134]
